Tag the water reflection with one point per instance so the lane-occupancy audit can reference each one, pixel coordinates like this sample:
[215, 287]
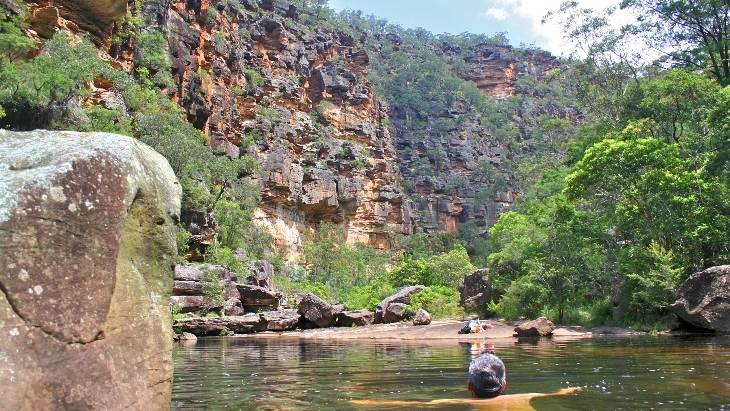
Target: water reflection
[615, 373]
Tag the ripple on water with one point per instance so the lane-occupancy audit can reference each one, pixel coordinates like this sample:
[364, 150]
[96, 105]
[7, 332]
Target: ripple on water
[625, 373]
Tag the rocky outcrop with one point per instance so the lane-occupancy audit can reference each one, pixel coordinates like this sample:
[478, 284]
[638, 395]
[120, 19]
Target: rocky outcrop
[541, 327]
[384, 313]
[261, 274]
[395, 312]
[191, 290]
[255, 298]
[476, 290]
[703, 301]
[218, 325]
[87, 246]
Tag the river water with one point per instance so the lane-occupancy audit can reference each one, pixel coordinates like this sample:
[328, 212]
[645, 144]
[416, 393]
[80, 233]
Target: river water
[615, 373]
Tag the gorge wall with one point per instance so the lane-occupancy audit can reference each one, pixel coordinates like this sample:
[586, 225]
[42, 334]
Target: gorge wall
[257, 78]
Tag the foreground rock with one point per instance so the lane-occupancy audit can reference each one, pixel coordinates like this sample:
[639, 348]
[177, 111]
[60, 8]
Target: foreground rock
[703, 300]
[385, 314]
[87, 246]
[542, 327]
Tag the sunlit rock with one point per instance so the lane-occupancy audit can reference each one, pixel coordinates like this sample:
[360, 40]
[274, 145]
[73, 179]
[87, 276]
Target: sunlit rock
[704, 299]
[87, 248]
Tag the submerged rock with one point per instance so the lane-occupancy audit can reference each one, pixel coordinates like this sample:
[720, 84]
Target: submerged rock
[87, 249]
[703, 300]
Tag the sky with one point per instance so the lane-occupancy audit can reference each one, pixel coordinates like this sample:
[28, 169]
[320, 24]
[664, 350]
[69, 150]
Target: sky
[520, 19]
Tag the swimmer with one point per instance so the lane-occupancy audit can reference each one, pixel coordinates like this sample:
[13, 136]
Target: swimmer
[512, 402]
[487, 380]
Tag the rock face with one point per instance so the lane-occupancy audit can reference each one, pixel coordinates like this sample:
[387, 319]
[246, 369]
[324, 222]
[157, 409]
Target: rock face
[542, 327]
[402, 297]
[253, 70]
[476, 290]
[87, 248]
[261, 274]
[704, 299]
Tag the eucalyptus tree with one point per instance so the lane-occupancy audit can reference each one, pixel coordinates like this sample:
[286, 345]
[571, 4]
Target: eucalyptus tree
[692, 34]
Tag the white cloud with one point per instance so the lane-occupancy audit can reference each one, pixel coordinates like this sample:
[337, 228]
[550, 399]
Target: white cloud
[495, 13]
[534, 11]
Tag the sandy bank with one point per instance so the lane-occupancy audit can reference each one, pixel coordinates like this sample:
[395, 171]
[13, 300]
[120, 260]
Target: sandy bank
[438, 332]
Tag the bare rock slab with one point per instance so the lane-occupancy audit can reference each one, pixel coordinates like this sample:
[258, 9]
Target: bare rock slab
[704, 299]
[541, 327]
[87, 249]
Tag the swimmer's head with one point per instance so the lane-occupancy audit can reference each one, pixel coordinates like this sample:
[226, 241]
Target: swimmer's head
[487, 376]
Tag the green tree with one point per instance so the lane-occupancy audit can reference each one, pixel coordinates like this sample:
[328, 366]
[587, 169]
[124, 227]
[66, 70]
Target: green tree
[693, 34]
[13, 43]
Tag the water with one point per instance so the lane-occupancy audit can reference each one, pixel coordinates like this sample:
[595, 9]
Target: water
[627, 373]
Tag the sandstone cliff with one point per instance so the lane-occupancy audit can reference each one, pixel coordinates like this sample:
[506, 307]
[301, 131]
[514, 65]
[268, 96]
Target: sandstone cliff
[258, 77]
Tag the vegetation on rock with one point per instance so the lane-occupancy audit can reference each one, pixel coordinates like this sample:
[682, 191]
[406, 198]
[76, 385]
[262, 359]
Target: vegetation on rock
[591, 187]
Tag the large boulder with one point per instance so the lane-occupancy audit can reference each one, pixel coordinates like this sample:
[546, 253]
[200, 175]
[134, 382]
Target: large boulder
[403, 296]
[261, 273]
[703, 300]
[233, 306]
[355, 318]
[422, 317]
[254, 297]
[239, 324]
[317, 311]
[396, 312]
[542, 327]
[187, 303]
[87, 249]
[281, 320]
[476, 290]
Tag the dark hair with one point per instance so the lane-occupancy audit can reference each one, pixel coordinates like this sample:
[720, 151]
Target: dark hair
[487, 374]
